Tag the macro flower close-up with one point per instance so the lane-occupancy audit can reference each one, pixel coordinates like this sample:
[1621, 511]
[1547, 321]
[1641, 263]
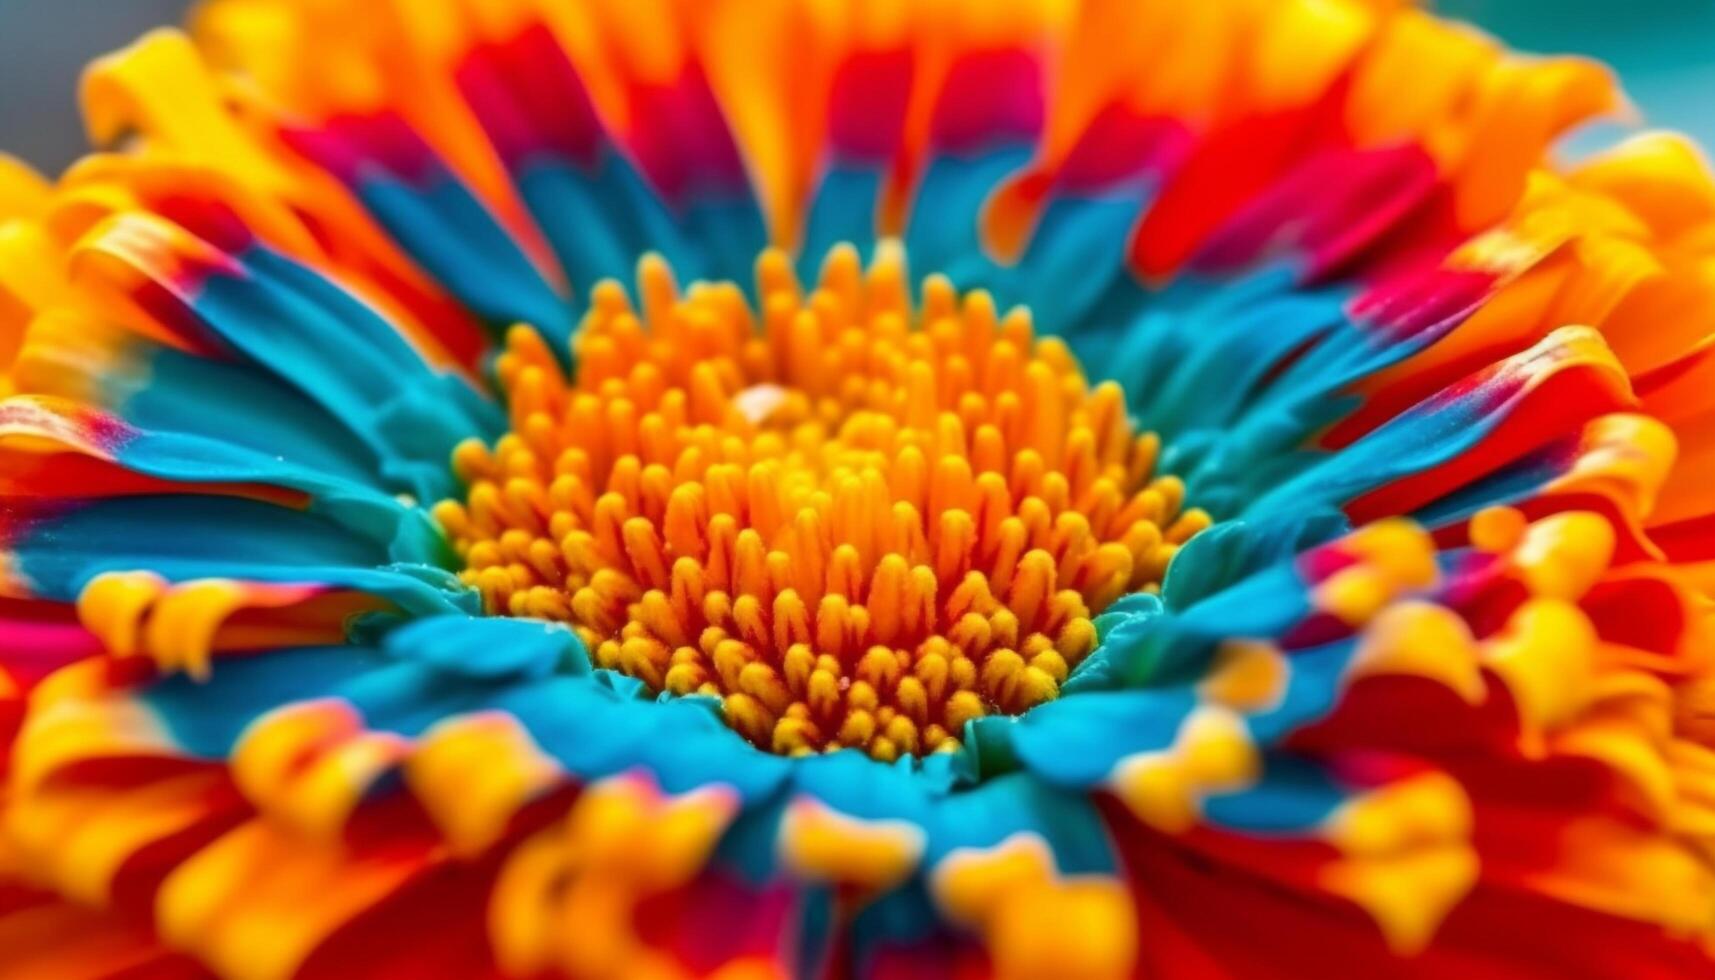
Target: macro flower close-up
[855, 489]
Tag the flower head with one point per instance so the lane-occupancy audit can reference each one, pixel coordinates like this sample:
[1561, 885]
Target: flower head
[760, 488]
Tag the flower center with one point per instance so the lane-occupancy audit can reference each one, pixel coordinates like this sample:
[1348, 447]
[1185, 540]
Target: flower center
[853, 525]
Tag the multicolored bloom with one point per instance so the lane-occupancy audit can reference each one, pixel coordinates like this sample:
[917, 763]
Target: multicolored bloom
[1128, 488]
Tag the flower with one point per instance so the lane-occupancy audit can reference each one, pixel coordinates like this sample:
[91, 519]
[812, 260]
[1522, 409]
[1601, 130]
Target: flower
[1129, 488]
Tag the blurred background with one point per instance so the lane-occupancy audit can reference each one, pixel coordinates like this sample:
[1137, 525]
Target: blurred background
[1663, 49]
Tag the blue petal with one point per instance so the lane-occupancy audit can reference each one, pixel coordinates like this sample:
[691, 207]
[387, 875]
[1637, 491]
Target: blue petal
[342, 355]
[184, 537]
[455, 238]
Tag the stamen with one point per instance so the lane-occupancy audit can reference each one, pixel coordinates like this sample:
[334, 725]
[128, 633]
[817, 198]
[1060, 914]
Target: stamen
[856, 525]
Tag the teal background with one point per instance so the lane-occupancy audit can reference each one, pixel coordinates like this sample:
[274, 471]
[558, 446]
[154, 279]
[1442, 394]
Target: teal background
[1664, 50]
